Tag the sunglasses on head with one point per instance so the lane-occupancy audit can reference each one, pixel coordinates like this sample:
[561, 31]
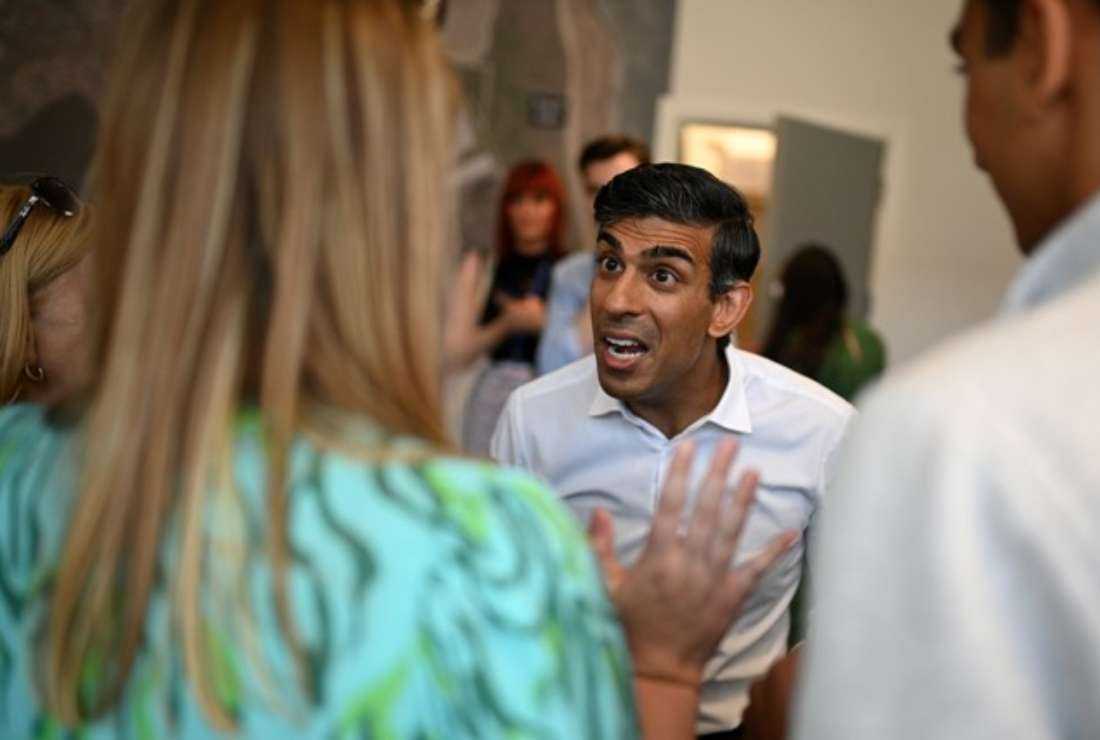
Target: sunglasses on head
[51, 192]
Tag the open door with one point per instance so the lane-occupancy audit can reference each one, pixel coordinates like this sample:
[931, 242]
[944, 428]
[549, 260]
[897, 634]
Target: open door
[825, 188]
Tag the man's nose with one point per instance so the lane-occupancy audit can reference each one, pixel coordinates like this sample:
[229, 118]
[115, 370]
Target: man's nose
[625, 295]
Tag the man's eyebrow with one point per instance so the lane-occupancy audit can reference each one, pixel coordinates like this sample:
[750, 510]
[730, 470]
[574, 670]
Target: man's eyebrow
[661, 250]
[609, 239]
[955, 40]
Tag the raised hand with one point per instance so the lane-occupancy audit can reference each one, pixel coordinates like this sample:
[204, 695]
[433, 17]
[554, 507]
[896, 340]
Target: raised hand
[525, 315]
[681, 596]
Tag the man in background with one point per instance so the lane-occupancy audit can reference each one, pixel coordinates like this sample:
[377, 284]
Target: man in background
[957, 581]
[567, 335]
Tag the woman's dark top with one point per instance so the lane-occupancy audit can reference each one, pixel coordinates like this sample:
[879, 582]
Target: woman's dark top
[518, 277]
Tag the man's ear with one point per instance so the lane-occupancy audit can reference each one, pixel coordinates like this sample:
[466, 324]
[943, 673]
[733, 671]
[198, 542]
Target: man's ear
[1046, 49]
[730, 309]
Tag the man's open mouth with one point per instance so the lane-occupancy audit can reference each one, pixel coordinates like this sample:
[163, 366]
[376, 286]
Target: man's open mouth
[622, 353]
[624, 348]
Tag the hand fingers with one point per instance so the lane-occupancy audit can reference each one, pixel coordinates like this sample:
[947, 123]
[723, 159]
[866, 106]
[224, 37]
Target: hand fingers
[740, 583]
[601, 537]
[749, 573]
[733, 519]
[666, 522]
[705, 519]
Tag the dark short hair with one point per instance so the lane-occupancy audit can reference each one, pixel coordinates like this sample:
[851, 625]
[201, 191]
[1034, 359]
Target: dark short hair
[692, 196]
[1004, 25]
[606, 147]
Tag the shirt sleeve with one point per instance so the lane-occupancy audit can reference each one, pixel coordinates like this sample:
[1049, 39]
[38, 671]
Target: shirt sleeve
[33, 461]
[559, 344]
[35, 479]
[934, 594]
[506, 446]
[802, 611]
[582, 652]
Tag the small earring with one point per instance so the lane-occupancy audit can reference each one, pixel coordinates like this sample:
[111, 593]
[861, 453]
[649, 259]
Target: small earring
[34, 373]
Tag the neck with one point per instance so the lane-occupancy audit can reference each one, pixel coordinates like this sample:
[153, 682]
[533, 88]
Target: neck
[1084, 154]
[1085, 182]
[696, 396]
[533, 248]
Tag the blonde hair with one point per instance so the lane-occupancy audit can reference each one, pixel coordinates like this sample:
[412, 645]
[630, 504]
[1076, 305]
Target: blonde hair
[273, 208]
[48, 246]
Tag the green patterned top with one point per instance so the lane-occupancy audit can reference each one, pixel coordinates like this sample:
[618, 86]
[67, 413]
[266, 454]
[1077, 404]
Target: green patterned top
[441, 599]
[853, 359]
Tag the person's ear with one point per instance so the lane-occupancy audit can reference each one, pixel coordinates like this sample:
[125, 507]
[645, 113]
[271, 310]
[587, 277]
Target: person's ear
[730, 309]
[1045, 41]
[31, 349]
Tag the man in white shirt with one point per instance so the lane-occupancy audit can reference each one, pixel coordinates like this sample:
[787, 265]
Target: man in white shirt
[957, 577]
[675, 252]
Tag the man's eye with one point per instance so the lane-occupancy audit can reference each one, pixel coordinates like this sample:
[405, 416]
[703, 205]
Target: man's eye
[607, 264]
[664, 277]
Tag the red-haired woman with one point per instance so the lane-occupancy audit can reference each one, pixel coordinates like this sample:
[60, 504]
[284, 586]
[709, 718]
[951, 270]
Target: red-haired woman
[529, 241]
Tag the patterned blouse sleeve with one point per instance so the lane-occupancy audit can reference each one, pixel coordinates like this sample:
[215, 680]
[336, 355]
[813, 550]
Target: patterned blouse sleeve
[511, 632]
[32, 510]
[577, 681]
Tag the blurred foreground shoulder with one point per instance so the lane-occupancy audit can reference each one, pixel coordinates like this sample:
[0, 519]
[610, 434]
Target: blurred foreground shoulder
[492, 607]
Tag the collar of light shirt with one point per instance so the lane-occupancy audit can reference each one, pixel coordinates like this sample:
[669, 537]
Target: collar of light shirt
[732, 411]
[1067, 257]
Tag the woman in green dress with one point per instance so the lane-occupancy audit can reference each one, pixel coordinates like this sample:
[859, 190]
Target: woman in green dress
[812, 333]
[251, 524]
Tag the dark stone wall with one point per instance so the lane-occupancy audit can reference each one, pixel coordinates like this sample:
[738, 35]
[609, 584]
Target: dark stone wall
[605, 61]
[53, 56]
[644, 30]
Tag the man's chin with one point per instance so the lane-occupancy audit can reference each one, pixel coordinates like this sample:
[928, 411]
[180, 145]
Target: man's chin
[616, 385]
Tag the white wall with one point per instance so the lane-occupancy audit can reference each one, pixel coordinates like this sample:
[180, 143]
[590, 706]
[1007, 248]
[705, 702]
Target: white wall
[944, 250]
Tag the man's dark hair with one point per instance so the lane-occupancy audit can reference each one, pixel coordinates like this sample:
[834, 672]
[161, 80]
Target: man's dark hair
[1003, 25]
[607, 147]
[688, 195]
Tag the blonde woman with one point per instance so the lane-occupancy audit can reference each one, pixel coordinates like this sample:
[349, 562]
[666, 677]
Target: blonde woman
[254, 528]
[43, 309]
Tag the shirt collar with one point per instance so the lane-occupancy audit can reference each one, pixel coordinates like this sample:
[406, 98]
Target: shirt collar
[732, 411]
[1067, 257]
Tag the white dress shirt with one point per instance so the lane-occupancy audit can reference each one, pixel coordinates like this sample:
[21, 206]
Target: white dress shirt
[594, 452]
[958, 574]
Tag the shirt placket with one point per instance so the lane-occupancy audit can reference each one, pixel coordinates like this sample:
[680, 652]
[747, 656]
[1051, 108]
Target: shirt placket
[662, 447]
[660, 471]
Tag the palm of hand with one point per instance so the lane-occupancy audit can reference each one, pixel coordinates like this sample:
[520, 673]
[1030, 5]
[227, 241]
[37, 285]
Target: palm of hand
[681, 596]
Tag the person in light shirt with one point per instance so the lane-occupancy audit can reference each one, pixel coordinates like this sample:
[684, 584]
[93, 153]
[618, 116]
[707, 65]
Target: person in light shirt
[957, 573]
[675, 252]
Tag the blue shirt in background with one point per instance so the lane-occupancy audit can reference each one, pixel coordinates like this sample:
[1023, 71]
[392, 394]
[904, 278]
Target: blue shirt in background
[569, 287]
